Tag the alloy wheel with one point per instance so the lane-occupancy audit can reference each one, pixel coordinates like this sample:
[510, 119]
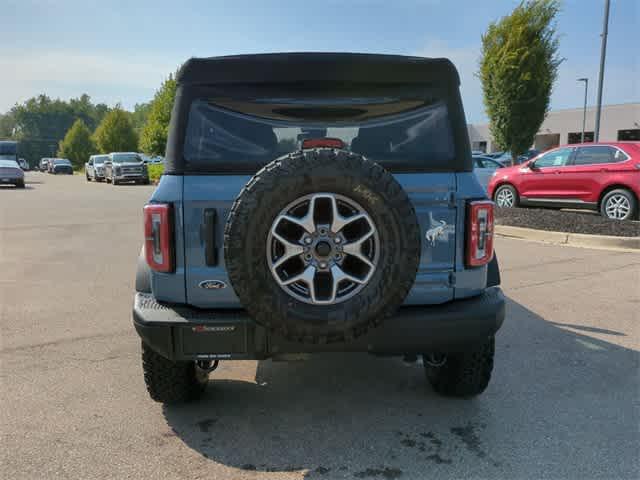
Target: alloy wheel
[323, 248]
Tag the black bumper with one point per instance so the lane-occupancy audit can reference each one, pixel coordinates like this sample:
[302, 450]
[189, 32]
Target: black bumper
[180, 333]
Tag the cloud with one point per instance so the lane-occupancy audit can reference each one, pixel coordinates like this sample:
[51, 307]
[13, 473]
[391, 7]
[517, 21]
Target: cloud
[106, 77]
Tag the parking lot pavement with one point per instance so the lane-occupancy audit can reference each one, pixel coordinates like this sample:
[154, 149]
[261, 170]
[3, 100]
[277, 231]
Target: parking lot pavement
[563, 402]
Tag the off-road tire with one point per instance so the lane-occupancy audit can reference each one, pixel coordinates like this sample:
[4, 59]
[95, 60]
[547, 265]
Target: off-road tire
[312, 171]
[464, 374]
[170, 381]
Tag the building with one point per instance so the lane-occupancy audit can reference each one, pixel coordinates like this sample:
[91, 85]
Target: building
[617, 122]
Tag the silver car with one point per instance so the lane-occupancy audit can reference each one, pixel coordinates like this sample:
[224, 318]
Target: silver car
[484, 168]
[94, 168]
[11, 173]
[122, 167]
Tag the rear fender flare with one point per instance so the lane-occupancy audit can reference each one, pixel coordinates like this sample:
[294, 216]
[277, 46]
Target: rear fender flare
[493, 272]
[143, 274]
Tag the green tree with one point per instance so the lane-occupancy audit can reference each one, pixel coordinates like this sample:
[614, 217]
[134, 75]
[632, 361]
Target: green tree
[7, 123]
[115, 133]
[77, 144]
[139, 116]
[518, 68]
[41, 122]
[153, 140]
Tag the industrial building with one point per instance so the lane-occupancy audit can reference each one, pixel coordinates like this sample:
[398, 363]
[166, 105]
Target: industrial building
[618, 122]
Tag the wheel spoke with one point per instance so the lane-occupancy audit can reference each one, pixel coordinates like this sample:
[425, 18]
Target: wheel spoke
[306, 277]
[355, 248]
[290, 249]
[305, 222]
[338, 222]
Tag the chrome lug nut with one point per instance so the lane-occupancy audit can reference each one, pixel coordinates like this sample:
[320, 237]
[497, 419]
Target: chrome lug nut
[323, 265]
[308, 240]
[337, 240]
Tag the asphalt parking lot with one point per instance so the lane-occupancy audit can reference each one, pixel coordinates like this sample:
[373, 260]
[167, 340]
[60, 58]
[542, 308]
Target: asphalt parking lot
[563, 402]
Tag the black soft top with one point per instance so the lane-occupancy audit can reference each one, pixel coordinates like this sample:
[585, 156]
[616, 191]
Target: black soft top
[317, 67]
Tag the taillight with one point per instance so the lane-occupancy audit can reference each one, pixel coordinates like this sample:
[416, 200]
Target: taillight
[158, 237]
[479, 233]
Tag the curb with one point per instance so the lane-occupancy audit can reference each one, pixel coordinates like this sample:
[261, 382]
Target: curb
[571, 239]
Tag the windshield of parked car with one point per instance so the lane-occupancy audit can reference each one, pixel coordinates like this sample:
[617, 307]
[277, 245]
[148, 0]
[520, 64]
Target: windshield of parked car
[61, 161]
[8, 163]
[398, 135]
[126, 158]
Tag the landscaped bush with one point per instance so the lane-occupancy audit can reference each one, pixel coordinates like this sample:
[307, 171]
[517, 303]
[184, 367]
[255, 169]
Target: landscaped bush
[155, 172]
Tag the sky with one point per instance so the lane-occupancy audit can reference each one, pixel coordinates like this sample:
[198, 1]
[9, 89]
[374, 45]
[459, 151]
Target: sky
[121, 51]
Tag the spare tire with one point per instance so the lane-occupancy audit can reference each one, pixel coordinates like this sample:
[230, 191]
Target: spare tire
[321, 245]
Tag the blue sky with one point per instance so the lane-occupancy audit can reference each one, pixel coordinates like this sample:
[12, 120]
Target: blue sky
[120, 51]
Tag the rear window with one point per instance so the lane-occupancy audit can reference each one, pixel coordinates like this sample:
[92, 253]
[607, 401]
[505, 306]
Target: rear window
[219, 139]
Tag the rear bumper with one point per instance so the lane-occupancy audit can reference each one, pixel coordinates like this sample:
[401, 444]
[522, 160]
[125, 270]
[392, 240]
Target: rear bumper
[184, 333]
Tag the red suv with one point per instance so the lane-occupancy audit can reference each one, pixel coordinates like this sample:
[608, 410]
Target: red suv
[595, 176]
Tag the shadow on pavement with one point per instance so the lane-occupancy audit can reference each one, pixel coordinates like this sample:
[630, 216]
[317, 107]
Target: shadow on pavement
[560, 405]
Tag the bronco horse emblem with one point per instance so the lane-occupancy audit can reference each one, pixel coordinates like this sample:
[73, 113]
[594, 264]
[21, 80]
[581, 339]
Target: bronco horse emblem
[437, 229]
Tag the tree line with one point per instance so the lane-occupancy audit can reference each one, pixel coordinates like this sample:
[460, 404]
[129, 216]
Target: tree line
[78, 128]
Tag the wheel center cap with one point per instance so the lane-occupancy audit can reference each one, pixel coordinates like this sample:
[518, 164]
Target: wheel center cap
[323, 249]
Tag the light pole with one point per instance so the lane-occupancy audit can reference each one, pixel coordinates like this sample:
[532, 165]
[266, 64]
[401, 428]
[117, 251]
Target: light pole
[584, 109]
[603, 54]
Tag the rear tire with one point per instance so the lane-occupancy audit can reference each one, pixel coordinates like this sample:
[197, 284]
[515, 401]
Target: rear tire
[506, 196]
[171, 381]
[619, 204]
[464, 374]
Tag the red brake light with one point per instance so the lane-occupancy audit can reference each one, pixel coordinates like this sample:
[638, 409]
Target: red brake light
[322, 142]
[479, 233]
[158, 237]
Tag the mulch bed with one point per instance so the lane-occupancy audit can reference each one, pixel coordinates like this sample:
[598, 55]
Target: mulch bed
[566, 221]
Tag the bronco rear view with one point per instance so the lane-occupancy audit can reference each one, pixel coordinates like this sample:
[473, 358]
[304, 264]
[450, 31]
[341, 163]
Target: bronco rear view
[317, 203]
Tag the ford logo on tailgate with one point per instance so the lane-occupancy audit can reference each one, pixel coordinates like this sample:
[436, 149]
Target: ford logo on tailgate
[212, 284]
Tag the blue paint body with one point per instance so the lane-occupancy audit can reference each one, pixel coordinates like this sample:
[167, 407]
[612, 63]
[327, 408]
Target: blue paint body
[439, 200]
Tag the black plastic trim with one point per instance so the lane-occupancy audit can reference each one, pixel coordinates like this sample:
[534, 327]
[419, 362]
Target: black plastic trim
[210, 225]
[415, 329]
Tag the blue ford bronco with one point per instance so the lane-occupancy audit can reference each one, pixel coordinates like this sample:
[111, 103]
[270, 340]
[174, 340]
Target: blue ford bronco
[317, 202]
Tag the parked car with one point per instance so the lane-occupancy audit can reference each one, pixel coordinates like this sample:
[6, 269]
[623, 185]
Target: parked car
[484, 168]
[11, 173]
[43, 165]
[125, 167]
[94, 168]
[252, 252]
[61, 165]
[597, 176]
[505, 159]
